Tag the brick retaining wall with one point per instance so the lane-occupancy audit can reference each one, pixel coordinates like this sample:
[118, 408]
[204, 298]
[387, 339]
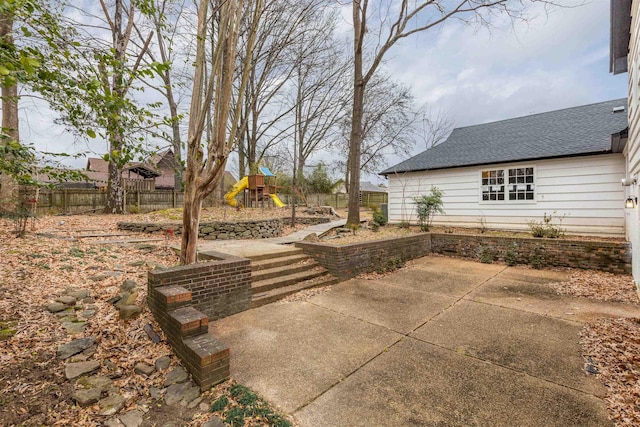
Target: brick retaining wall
[613, 257]
[346, 261]
[219, 288]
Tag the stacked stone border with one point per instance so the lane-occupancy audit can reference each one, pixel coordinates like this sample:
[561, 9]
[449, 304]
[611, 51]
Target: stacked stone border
[346, 261]
[220, 230]
[612, 257]
[183, 299]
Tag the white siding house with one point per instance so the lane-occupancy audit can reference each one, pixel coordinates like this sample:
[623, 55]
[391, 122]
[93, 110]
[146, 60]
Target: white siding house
[504, 174]
[625, 56]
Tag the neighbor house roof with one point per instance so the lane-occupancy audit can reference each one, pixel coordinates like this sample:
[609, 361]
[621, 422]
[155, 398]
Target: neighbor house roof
[588, 129]
[369, 187]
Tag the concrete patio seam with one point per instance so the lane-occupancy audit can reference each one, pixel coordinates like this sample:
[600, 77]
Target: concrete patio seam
[504, 367]
[576, 322]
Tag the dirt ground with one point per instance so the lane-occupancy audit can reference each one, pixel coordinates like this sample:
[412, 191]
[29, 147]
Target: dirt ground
[36, 269]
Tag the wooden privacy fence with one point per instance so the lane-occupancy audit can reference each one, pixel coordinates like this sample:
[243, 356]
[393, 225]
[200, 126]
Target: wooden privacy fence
[338, 201]
[75, 201]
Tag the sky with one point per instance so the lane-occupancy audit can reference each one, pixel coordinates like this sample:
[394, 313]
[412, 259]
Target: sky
[471, 75]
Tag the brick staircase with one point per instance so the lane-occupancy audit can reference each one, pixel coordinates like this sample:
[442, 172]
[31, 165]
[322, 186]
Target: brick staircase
[276, 275]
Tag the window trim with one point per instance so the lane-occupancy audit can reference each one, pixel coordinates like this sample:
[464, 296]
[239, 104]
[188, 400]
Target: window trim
[505, 172]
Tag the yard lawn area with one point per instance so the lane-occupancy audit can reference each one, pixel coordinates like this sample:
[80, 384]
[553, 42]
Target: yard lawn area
[35, 270]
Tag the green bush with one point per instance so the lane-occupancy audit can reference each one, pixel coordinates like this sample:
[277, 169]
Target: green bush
[511, 257]
[486, 256]
[379, 217]
[427, 206]
[546, 228]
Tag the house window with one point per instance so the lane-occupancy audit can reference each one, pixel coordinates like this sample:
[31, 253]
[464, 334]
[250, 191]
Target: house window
[493, 184]
[511, 184]
[520, 184]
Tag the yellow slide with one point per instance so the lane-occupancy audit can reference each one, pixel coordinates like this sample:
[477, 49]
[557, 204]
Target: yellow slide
[239, 186]
[277, 200]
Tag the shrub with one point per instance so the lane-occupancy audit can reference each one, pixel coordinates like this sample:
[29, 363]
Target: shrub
[392, 264]
[511, 257]
[427, 206]
[546, 228]
[486, 256]
[379, 217]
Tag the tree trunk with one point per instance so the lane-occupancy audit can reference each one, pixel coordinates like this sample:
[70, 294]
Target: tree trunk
[190, 225]
[115, 193]
[355, 138]
[10, 123]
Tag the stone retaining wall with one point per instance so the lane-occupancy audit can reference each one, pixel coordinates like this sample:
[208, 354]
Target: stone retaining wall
[347, 261]
[613, 257]
[260, 229]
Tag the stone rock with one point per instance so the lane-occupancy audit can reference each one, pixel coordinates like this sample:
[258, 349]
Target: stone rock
[90, 351]
[55, 307]
[68, 312]
[214, 422]
[97, 277]
[194, 403]
[87, 397]
[88, 314]
[114, 300]
[74, 370]
[163, 363]
[144, 369]
[128, 285]
[145, 246]
[170, 424]
[96, 381]
[190, 394]
[136, 264]
[313, 238]
[111, 405]
[88, 300]
[132, 418]
[74, 347]
[204, 406]
[129, 311]
[66, 300]
[155, 393]
[78, 293]
[74, 327]
[113, 273]
[175, 393]
[79, 358]
[112, 422]
[129, 299]
[177, 375]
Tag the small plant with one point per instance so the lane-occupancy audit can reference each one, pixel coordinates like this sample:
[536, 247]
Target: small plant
[482, 220]
[427, 206]
[379, 217]
[486, 256]
[546, 228]
[375, 227]
[392, 264]
[511, 256]
[536, 259]
[403, 224]
[219, 405]
[76, 252]
[133, 209]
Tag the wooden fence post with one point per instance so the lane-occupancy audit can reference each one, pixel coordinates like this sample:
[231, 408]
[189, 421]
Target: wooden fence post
[173, 199]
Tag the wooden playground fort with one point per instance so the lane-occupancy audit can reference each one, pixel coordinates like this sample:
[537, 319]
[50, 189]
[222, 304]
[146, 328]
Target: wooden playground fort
[256, 190]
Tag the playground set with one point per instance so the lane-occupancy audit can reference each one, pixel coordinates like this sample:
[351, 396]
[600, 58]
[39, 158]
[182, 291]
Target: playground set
[256, 189]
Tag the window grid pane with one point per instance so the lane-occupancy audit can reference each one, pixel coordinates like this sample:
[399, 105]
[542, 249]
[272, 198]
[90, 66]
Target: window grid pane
[521, 186]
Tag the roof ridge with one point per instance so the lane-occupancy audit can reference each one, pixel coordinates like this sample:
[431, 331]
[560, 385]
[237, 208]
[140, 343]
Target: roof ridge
[541, 113]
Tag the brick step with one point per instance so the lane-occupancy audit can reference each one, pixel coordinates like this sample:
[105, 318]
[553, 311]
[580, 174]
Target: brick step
[277, 262]
[279, 254]
[286, 280]
[166, 298]
[285, 270]
[277, 294]
[187, 321]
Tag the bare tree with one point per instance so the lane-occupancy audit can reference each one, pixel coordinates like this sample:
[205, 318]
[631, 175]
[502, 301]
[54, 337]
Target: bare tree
[282, 27]
[205, 168]
[398, 20]
[388, 123]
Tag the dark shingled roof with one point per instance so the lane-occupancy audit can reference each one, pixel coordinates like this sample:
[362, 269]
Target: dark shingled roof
[587, 129]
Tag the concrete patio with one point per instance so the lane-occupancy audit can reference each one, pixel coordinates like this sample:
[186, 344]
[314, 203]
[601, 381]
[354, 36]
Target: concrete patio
[443, 342]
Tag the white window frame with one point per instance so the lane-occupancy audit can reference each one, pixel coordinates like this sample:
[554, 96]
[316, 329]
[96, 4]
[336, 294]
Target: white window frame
[505, 172]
